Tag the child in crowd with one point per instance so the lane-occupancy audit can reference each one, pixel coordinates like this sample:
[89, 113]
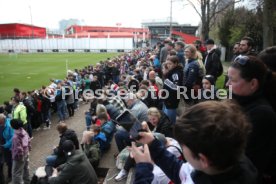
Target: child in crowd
[208, 91]
[91, 148]
[107, 127]
[213, 136]
[20, 153]
[99, 137]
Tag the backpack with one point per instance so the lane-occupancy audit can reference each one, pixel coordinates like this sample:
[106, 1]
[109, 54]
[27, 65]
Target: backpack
[42, 175]
[108, 128]
[93, 153]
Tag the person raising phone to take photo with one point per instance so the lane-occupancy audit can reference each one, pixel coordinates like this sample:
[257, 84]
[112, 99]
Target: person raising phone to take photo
[213, 136]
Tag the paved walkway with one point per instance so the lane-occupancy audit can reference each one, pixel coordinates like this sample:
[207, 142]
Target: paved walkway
[45, 140]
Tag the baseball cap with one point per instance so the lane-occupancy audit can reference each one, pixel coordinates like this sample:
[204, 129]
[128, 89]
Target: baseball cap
[209, 42]
[68, 147]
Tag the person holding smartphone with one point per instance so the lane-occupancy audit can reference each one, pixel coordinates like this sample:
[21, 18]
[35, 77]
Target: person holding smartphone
[213, 136]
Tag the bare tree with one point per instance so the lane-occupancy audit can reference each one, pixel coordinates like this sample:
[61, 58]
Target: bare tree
[268, 21]
[208, 10]
[268, 8]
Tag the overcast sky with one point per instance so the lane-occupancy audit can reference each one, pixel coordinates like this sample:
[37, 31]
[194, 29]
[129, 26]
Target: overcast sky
[130, 13]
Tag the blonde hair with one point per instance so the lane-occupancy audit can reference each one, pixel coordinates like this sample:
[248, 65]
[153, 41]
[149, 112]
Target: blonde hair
[153, 111]
[100, 108]
[193, 51]
[199, 56]
[200, 63]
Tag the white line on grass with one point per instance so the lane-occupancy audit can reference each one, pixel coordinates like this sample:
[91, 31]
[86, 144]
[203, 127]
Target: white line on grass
[54, 74]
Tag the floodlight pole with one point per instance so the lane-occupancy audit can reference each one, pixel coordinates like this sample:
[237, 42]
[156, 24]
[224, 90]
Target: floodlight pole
[171, 19]
[31, 21]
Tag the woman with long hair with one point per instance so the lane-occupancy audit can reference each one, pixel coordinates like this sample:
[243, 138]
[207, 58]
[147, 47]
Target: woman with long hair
[173, 79]
[191, 71]
[252, 84]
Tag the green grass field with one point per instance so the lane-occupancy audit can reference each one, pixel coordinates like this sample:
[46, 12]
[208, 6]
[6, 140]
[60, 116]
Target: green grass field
[221, 79]
[31, 71]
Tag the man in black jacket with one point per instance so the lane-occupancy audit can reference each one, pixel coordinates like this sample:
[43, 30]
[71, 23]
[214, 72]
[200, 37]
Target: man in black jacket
[58, 156]
[212, 62]
[95, 85]
[98, 72]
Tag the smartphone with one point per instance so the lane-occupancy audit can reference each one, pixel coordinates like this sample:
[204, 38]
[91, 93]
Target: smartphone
[126, 120]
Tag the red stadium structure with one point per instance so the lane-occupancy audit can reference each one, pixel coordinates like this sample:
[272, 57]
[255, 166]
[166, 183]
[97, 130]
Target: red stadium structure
[187, 38]
[105, 32]
[17, 30]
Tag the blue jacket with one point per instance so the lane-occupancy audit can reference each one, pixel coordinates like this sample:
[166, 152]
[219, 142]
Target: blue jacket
[101, 139]
[8, 134]
[108, 128]
[156, 63]
[181, 56]
[191, 73]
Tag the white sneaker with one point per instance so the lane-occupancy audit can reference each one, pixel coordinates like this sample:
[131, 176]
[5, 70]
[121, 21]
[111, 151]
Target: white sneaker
[37, 129]
[122, 175]
[46, 128]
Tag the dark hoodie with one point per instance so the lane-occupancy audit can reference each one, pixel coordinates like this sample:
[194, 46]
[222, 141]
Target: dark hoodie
[241, 173]
[76, 170]
[261, 146]
[173, 80]
[164, 126]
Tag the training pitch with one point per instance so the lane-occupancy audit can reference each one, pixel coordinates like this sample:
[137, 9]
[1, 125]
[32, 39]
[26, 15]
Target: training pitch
[31, 71]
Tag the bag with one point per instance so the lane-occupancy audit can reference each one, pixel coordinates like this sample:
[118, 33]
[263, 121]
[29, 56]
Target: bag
[93, 153]
[42, 175]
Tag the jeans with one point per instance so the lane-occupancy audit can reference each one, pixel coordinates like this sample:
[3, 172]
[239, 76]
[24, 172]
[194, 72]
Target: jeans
[2, 179]
[116, 79]
[28, 128]
[76, 104]
[70, 109]
[45, 118]
[61, 110]
[122, 139]
[20, 171]
[130, 162]
[51, 160]
[88, 120]
[8, 160]
[171, 113]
